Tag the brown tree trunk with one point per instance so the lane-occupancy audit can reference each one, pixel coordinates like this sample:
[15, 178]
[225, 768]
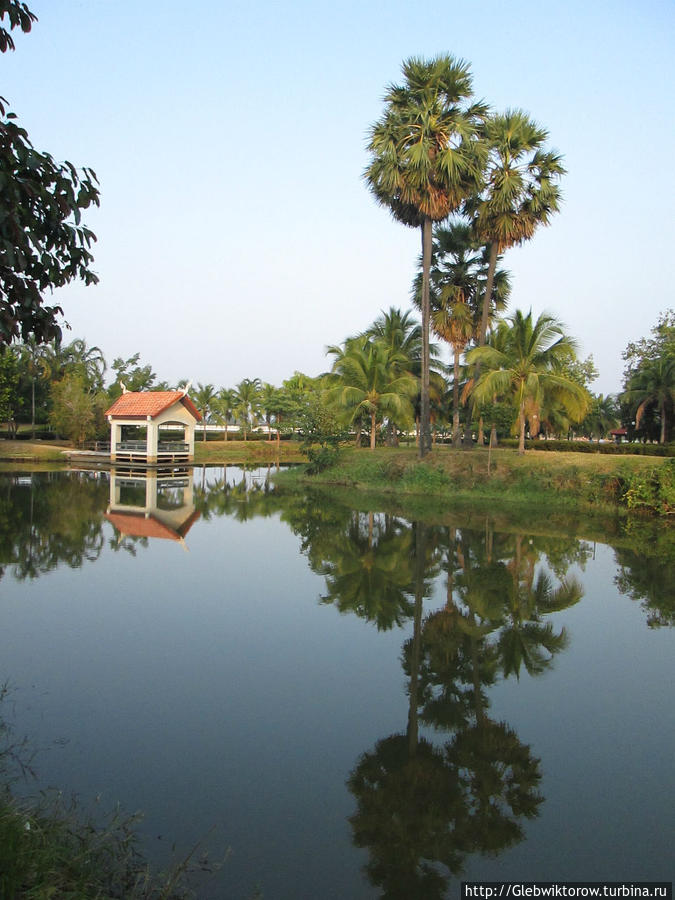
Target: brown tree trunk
[425, 433]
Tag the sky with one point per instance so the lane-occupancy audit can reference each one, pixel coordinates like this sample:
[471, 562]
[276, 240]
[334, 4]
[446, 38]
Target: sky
[236, 237]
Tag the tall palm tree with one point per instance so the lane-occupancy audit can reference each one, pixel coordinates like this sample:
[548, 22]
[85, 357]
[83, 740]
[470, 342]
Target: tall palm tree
[368, 377]
[204, 398]
[652, 385]
[426, 160]
[520, 190]
[269, 401]
[224, 405]
[458, 270]
[248, 391]
[526, 368]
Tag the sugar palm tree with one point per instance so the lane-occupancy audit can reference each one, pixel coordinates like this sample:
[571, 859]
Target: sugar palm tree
[369, 377]
[520, 190]
[458, 271]
[526, 368]
[426, 159]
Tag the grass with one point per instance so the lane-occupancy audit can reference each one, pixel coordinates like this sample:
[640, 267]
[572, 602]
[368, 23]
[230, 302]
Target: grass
[247, 451]
[33, 451]
[557, 479]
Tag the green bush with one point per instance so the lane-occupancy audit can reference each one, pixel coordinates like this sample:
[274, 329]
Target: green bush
[652, 490]
[609, 448]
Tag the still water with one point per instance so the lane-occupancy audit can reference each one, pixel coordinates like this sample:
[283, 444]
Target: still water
[356, 702]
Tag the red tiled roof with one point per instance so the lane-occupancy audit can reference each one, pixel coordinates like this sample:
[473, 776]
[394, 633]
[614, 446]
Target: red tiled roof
[137, 525]
[149, 403]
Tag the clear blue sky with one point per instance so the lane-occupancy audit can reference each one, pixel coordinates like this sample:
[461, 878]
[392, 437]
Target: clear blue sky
[235, 236]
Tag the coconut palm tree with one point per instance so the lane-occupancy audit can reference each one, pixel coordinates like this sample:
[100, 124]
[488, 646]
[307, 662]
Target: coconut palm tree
[520, 190]
[402, 333]
[652, 386]
[224, 405]
[269, 402]
[248, 391]
[526, 368]
[602, 416]
[204, 399]
[426, 159]
[369, 377]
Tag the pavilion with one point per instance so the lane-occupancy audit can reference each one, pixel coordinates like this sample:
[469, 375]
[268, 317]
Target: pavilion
[144, 426]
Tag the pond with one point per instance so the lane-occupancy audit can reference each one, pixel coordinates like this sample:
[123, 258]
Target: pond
[357, 702]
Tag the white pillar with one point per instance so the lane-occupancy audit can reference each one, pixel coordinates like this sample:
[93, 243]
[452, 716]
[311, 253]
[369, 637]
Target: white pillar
[115, 438]
[151, 441]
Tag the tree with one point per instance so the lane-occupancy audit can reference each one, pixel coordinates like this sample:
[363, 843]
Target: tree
[43, 242]
[205, 400]
[248, 391]
[602, 416]
[426, 160]
[653, 386]
[400, 332]
[76, 413]
[649, 378]
[134, 376]
[9, 382]
[223, 406]
[368, 377]
[458, 270]
[520, 190]
[527, 368]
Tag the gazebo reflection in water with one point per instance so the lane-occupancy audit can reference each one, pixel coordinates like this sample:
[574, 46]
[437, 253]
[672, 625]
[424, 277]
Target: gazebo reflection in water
[152, 503]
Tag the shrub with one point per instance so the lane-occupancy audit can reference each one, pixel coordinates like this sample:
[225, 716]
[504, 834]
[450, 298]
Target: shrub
[608, 448]
[652, 489]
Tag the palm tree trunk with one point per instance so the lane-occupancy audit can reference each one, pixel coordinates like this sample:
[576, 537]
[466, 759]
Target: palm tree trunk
[487, 296]
[372, 431]
[521, 428]
[664, 430]
[425, 435]
[455, 399]
[32, 409]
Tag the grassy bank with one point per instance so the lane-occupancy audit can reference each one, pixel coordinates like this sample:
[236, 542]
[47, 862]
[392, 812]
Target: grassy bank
[211, 452]
[549, 479]
[33, 451]
[232, 452]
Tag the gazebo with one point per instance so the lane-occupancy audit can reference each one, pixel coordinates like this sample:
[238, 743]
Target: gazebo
[143, 426]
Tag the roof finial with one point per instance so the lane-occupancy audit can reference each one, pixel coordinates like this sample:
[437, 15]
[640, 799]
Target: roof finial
[124, 388]
[187, 388]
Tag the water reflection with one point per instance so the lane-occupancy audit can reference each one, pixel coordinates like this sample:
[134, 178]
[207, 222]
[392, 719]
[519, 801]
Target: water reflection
[423, 807]
[478, 605]
[151, 504]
